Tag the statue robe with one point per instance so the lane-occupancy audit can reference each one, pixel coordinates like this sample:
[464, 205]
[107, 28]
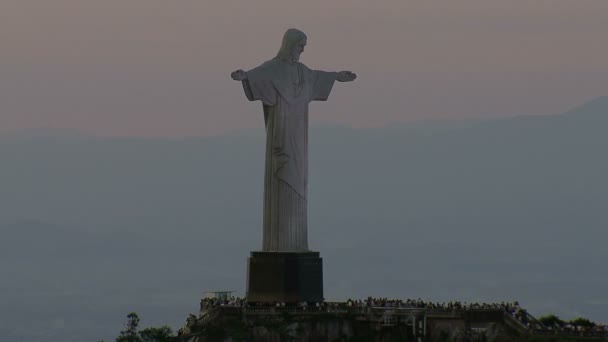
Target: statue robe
[285, 91]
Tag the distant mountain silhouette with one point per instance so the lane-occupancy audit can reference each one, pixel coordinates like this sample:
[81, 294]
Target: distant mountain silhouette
[509, 209]
[598, 108]
[47, 134]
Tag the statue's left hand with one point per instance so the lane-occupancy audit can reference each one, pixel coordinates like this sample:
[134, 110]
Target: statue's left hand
[239, 75]
[346, 76]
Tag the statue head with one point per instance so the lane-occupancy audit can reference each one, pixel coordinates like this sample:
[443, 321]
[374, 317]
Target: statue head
[292, 46]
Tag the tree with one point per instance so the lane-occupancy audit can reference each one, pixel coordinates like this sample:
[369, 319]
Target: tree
[582, 322]
[130, 333]
[152, 334]
[551, 320]
[162, 334]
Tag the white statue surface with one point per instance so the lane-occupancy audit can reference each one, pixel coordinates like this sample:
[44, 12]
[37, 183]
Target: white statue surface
[285, 87]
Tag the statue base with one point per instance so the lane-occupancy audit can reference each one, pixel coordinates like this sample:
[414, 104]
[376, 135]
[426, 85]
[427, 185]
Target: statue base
[289, 277]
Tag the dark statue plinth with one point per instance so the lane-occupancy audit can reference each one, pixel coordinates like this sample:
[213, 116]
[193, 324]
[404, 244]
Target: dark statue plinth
[290, 277]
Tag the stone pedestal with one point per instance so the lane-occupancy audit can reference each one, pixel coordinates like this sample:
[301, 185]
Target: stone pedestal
[284, 277]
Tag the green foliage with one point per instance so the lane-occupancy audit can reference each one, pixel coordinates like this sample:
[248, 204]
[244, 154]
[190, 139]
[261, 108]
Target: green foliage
[152, 334]
[551, 320]
[582, 322]
[162, 334]
[130, 333]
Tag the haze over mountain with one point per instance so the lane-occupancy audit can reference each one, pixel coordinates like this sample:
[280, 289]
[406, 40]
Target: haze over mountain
[510, 209]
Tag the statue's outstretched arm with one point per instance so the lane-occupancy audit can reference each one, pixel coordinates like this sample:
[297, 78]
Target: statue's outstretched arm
[346, 76]
[239, 75]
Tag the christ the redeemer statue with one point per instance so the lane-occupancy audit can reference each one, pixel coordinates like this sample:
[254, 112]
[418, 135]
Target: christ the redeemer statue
[286, 87]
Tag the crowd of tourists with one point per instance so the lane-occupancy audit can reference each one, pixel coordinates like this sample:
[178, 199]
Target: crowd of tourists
[209, 303]
[601, 329]
[419, 303]
[371, 302]
[575, 326]
[511, 308]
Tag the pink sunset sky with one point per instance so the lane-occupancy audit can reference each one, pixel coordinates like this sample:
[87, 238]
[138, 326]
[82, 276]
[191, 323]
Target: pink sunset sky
[159, 68]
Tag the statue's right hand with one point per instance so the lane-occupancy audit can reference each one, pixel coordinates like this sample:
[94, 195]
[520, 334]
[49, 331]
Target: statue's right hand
[239, 75]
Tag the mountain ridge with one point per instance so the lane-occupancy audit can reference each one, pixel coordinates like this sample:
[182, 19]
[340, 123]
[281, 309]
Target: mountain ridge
[595, 107]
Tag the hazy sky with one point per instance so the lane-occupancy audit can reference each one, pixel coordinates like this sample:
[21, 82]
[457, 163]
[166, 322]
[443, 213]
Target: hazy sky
[161, 68]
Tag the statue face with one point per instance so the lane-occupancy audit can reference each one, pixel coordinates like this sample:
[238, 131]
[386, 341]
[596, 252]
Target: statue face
[297, 50]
